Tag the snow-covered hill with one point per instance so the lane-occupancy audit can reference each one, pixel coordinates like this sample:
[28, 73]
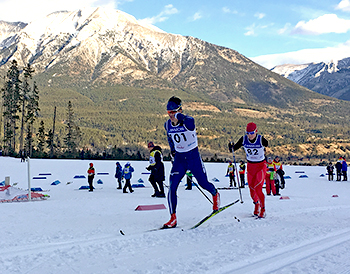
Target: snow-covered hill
[76, 231]
[332, 78]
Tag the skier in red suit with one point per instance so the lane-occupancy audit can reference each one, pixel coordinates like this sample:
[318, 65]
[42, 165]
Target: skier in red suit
[254, 146]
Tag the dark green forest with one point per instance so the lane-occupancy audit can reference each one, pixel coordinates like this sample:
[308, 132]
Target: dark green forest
[116, 121]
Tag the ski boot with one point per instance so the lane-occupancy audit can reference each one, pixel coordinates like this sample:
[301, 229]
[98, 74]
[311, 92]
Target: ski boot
[262, 213]
[216, 201]
[172, 222]
[256, 209]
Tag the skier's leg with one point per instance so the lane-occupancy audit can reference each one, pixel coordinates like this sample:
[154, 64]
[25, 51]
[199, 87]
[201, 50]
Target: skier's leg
[177, 172]
[198, 169]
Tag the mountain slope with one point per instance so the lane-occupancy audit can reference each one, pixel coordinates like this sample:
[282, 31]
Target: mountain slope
[331, 79]
[119, 73]
[108, 46]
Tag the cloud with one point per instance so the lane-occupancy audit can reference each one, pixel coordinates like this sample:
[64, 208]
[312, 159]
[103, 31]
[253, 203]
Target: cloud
[162, 16]
[259, 15]
[304, 56]
[284, 29]
[228, 10]
[327, 23]
[31, 10]
[344, 5]
[250, 30]
[198, 15]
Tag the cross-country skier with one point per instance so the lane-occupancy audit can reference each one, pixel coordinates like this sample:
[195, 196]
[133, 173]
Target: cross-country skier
[182, 138]
[254, 146]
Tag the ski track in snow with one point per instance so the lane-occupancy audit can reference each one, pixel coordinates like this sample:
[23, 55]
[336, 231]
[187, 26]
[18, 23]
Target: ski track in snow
[278, 259]
[78, 232]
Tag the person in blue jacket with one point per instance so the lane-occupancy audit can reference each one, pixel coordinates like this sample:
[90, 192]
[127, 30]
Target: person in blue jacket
[182, 139]
[119, 174]
[127, 174]
[344, 169]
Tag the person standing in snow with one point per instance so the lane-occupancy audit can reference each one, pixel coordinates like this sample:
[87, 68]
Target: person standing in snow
[254, 146]
[330, 170]
[338, 167]
[280, 172]
[118, 174]
[182, 139]
[127, 174]
[242, 173]
[156, 167]
[231, 173]
[91, 176]
[270, 182]
[344, 169]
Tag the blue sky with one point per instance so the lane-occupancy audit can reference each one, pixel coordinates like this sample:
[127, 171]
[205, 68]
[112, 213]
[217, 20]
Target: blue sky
[268, 31]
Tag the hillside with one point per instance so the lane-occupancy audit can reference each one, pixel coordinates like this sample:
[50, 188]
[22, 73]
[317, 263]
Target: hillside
[331, 79]
[119, 75]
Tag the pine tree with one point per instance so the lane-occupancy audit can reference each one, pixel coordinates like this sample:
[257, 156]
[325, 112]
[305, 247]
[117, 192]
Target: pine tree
[11, 105]
[31, 114]
[41, 138]
[24, 98]
[73, 136]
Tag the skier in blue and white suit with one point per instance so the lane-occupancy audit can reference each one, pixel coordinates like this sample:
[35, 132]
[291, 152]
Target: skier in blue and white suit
[182, 138]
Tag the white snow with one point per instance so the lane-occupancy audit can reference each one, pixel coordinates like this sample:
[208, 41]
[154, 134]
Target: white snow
[76, 231]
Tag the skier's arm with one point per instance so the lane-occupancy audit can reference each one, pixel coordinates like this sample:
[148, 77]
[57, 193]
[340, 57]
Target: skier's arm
[170, 141]
[237, 145]
[264, 142]
[187, 121]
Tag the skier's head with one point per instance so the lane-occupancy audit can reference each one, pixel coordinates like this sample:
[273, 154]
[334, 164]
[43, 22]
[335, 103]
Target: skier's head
[174, 104]
[229, 161]
[269, 159]
[251, 130]
[117, 163]
[127, 164]
[277, 159]
[91, 164]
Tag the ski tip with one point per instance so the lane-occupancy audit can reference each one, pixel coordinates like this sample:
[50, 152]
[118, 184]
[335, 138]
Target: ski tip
[121, 232]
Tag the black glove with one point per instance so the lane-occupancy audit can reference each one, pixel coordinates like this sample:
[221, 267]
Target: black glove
[230, 146]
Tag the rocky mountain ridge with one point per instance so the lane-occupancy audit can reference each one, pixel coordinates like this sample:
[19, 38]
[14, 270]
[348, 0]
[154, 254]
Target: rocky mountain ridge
[97, 46]
[331, 79]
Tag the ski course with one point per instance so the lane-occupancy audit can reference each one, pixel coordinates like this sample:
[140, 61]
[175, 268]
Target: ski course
[277, 260]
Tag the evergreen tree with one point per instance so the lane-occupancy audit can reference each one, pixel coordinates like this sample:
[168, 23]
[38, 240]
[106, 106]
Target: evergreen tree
[24, 98]
[11, 106]
[73, 136]
[31, 114]
[41, 138]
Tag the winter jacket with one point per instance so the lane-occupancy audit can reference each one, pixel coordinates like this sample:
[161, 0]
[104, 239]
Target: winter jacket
[118, 171]
[127, 171]
[156, 165]
[344, 166]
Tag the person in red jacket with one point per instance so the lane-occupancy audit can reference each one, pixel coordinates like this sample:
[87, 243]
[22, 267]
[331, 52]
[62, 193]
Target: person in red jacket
[91, 175]
[254, 145]
[270, 182]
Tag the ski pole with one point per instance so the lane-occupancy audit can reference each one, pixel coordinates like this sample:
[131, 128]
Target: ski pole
[238, 181]
[202, 192]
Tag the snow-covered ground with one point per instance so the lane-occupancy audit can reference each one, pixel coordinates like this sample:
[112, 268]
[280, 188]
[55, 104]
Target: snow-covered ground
[76, 231]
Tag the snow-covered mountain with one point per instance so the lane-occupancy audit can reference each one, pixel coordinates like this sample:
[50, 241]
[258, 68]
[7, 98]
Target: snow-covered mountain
[109, 46]
[332, 78]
